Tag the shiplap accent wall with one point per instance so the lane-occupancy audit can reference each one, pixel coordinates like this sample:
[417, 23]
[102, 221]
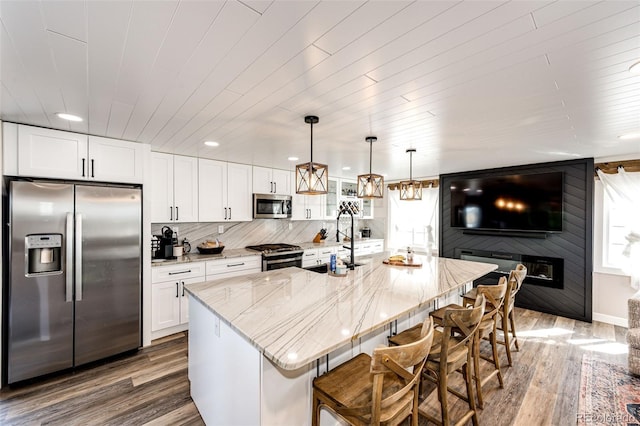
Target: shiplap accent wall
[574, 244]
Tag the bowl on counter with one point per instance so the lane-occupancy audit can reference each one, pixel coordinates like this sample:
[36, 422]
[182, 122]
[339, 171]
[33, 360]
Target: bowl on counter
[211, 248]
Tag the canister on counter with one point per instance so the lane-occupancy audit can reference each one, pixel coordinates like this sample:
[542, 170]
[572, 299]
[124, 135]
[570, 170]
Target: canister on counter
[332, 263]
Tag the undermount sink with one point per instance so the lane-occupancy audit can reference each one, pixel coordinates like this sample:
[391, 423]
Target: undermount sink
[322, 269]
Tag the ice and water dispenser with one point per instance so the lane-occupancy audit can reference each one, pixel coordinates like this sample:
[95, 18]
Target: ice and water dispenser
[43, 254]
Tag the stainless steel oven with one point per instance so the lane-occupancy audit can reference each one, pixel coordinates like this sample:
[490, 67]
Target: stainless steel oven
[281, 260]
[271, 206]
[277, 256]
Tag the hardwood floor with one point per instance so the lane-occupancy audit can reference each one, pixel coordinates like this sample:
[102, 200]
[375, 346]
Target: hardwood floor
[151, 387]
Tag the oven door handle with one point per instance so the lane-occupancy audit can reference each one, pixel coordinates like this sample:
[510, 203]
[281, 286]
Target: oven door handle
[288, 259]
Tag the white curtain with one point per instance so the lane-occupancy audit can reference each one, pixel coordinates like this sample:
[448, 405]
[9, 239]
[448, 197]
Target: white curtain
[624, 190]
[414, 223]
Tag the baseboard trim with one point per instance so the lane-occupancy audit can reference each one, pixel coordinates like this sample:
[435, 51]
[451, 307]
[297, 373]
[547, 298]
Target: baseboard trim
[609, 319]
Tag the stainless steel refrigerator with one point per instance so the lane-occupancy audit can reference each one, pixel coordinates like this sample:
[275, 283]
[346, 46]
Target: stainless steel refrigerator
[74, 275]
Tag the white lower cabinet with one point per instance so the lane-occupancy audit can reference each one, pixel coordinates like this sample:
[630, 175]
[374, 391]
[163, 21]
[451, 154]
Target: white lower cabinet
[232, 267]
[169, 301]
[309, 258]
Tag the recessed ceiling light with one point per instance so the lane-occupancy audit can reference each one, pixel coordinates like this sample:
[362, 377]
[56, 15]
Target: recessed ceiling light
[635, 68]
[346, 168]
[627, 136]
[69, 117]
[211, 143]
[293, 158]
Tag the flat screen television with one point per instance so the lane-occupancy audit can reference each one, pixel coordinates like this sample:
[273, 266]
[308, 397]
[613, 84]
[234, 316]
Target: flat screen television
[517, 202]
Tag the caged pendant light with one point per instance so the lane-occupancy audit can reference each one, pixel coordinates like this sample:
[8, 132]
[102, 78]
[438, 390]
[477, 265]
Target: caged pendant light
[411, 189]
[312, 178]
[370, 185]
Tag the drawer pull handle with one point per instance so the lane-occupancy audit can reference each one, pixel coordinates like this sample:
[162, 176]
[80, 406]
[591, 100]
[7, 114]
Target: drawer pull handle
[180, 272]
[230, 265]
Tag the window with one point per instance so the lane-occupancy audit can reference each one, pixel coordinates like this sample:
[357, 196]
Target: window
[614, 229]
[413, 223]
[613, 221]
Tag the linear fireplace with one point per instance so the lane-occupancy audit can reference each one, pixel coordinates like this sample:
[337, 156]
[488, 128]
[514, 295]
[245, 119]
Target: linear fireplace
[541, 270]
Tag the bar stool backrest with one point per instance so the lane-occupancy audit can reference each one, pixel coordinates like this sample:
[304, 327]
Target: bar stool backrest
[494, 295]
[407, 362]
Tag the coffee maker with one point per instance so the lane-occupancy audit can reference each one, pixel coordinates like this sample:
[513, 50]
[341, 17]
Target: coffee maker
[164, 243]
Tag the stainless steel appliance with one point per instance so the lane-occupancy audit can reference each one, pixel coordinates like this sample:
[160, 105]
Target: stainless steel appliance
[73, 275]
[279, 255]
[271, 206]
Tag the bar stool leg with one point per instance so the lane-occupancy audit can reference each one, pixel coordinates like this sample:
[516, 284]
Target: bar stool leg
[494, 346]
[476, 370]
[507, 343]
[512, 319]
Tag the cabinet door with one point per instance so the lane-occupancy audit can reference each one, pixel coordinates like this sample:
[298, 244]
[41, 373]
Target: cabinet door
[51, 153]
[298, 207]
[281, 181]
[309, 258]
[367, 209]
[316, 206]
[184, 298]
[112, 160]
[185, 188]
[262, 182]
[212, 190]
[165, 305]
[324, 254]
[239, 200]
[331, 200]
[161, 188]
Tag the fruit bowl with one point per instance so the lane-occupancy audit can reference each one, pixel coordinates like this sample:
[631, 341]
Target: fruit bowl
[210, 249]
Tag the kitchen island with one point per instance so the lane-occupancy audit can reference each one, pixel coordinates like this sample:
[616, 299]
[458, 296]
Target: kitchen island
[257, 341]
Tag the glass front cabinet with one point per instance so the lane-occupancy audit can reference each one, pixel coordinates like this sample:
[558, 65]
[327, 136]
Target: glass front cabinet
[349, 192]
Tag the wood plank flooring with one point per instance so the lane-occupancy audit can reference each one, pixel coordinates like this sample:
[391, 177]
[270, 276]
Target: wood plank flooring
[151, 386]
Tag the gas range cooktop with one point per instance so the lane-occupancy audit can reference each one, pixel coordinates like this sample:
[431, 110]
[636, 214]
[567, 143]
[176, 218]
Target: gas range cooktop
[274, 248]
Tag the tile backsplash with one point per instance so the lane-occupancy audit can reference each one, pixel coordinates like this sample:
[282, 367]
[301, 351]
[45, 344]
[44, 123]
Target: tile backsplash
[261, 231]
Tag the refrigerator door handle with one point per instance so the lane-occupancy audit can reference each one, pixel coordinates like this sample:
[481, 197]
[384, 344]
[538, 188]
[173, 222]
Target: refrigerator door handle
[69, 254]
[78, 256]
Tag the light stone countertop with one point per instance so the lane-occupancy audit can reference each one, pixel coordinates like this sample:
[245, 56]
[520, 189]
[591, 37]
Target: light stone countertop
[194, 256]
[331, 242]
[197, 257]
[294, 316]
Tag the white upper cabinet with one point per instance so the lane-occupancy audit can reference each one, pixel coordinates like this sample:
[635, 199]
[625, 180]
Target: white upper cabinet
[307, 207]
[113, 160]
[66, 155]
[348, 192]
[185, 188]
[271, 181]
[239, 197]
[174, 188]
[212, 190]
[224, 191]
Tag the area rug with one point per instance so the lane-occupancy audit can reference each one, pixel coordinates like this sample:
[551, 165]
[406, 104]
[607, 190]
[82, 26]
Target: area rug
[608, 394]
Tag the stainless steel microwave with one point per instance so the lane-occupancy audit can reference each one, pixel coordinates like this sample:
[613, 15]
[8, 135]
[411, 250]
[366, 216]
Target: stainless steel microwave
[271, 206]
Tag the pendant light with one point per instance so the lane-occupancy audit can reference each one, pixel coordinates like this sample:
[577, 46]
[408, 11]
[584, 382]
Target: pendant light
[370, 185]
[411, 189]
[312, 178]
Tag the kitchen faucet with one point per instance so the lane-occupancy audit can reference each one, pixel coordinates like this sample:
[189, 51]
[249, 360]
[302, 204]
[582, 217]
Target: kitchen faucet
[351, 208]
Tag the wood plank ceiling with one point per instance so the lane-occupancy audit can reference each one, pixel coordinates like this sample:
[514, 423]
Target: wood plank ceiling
[470, 85]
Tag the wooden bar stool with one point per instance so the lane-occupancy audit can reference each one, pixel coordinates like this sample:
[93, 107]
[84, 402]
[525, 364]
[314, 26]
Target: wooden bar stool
[451, 351]
[376, 390]
[507, 314]
[494, 295]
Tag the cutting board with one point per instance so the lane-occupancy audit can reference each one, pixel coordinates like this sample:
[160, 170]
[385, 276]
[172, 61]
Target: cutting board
[414, 264]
